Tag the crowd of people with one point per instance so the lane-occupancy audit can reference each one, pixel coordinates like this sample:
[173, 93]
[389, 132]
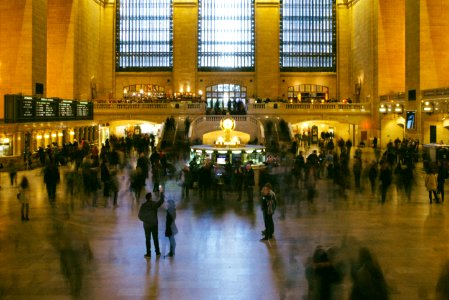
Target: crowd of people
[292, 178]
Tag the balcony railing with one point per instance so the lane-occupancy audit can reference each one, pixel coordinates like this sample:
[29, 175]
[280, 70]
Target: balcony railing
[185, 108]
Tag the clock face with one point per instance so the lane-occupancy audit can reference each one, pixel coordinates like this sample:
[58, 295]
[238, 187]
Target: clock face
[228, 124]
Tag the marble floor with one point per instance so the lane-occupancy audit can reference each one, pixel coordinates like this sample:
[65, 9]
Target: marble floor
[74, 251]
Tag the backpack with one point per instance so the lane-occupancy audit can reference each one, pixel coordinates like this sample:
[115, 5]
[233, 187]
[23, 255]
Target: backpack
[271, 205]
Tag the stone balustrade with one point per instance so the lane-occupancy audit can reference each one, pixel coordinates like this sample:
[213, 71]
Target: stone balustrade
[270, 108]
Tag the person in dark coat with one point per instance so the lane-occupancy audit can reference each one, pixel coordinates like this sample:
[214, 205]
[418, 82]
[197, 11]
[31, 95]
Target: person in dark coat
[51, 179]
[148, 215]
[441, 178]
[368, 279]
[268, 205]
[170, 226]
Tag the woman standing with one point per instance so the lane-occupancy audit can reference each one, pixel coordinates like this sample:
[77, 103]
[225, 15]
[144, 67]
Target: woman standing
[431, 185]
[170, 226]
[24, 197]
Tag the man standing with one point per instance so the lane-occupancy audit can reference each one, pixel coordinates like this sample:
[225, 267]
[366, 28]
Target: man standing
[268, 205]
[148, 215]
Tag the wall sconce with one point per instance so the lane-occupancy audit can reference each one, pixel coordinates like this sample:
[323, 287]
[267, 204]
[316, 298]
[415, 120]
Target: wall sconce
[60, 134]
[72, 132]
[39, 137]
[53, 135]
[427, 107]
[46, 136]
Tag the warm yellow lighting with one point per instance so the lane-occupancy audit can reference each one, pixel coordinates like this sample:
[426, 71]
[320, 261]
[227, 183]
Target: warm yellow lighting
[200, 92]
[228, 124]
[188, 89]
[6, 140]
[39, 137]
[181, 90]
[209, 151]
[46, 136]
[141, 91]
[72, 133]
[53, 135]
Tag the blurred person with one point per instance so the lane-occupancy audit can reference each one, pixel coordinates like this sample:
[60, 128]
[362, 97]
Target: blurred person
[170, 226]
[185, 179]
[442, 287]
[441, 178]
[322, 274]
[148, 215]
[268, 206]
[385, 178]
[368, 278]
[105, 177]
[431, 184]
[12, 171]
[24, 197]
[372, 175]
[115, 185]
[249, 182]
[137, 183]
[238, 180]
[51, 179]
[357, 170]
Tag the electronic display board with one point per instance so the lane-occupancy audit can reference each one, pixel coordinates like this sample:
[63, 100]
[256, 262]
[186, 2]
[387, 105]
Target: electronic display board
[19, 109]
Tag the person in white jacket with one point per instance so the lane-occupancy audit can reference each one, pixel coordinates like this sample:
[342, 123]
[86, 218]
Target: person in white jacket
[431, 184]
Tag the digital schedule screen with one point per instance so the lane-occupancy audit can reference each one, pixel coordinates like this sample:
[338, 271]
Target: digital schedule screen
[19, 109]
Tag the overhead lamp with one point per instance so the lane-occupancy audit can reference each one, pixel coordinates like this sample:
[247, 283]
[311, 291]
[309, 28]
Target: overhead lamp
[383, 109]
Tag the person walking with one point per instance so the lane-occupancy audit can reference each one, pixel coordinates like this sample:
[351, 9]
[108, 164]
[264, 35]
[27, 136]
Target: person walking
[385, 178]
[170, 226]
[268, 206]
[441, 178]
[24, 197]
[148, 215]
[12, 170]
[431, 184]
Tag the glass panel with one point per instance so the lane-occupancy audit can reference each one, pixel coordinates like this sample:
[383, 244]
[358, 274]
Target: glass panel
[144, 35]
[226, 35]
[308, 35]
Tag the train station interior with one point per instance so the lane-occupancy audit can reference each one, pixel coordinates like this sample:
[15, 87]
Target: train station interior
[226, 84]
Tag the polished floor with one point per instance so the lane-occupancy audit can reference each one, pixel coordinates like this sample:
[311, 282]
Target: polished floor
[72, 250]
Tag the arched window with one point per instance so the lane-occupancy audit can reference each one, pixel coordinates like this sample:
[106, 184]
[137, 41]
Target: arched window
[144, 35]
[226, 35]
[308, 35]
[226, 98]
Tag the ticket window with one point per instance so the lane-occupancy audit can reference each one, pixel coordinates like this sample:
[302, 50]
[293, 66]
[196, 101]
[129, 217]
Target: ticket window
[6, 146]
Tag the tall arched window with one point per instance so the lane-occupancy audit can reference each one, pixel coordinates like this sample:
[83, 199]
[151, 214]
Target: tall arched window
[308, 35]
[144, 35]
[226, 35]
[226, 98]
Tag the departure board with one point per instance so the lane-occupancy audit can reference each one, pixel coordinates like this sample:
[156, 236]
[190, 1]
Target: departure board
[20, 109]
[67, 109]
[46, 108]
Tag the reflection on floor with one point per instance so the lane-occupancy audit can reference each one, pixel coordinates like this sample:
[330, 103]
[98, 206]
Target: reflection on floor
[75, 251]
